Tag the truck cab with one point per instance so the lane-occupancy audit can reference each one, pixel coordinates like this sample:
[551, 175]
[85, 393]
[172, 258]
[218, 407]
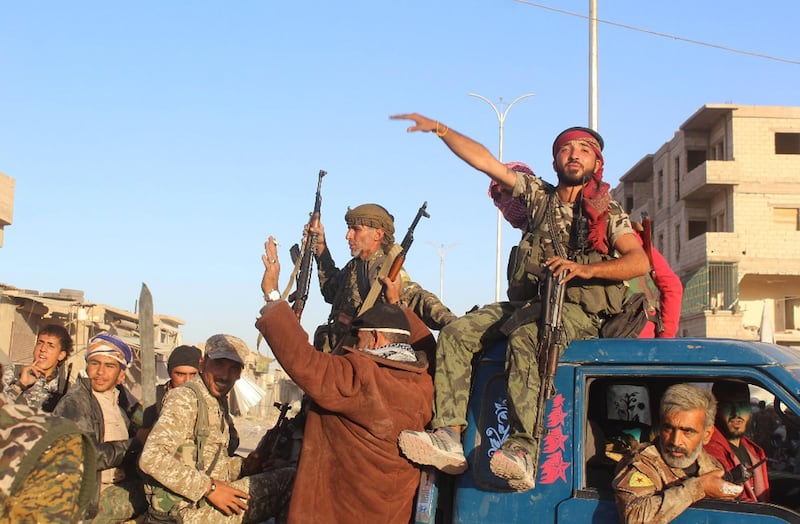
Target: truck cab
[607, 395]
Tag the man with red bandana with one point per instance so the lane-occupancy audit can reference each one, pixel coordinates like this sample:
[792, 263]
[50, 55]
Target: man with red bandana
[661, 286]
[745, 461]
[573, 229]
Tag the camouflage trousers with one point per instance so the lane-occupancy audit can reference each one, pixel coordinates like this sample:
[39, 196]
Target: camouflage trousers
[269, 497]
[51, 491]
[120, 502]
[462, 339]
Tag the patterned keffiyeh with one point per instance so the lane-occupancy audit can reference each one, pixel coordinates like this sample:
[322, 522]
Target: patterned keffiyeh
[399, 352]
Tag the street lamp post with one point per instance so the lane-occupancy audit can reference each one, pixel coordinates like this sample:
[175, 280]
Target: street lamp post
[442, 249]
[501, 118]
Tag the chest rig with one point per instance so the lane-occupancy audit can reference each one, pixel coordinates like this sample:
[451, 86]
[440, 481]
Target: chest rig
[551, 232]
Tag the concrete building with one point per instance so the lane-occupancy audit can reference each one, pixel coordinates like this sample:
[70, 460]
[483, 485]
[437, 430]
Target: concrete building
[724, 198]
[6, 203]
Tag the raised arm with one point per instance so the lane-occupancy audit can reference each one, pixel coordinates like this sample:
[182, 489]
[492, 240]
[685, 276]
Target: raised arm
[465, 148]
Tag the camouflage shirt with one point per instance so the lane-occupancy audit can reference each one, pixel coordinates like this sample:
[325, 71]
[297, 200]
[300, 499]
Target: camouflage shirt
[340, 288]
[44, 462]
[38, 394]
[648, 490]
[169, 453]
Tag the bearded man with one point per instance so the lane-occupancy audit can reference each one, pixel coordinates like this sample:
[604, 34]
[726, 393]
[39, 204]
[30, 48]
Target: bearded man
[740, 455]
[660, 480]
[575, 231]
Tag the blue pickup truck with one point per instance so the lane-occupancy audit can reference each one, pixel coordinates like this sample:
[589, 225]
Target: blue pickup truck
[574, 477]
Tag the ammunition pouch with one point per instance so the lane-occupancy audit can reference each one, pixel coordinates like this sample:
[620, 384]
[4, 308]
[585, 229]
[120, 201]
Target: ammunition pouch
[630, 322]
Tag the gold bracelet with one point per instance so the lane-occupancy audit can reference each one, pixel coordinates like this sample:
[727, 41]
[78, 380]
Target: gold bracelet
[440, 134]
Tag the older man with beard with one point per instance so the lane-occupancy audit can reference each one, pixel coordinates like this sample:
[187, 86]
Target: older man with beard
[659, 481]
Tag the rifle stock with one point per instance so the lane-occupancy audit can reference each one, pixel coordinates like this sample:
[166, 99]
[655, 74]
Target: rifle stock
[647, 241]
[550, 342]
[300, 294]
[397, 262]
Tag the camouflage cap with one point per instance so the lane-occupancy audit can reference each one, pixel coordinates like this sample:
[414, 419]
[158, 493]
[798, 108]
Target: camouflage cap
[227, 346]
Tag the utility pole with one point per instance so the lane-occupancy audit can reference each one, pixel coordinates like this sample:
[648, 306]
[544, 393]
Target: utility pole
[442, 249]
[501, 118]
[593, 64]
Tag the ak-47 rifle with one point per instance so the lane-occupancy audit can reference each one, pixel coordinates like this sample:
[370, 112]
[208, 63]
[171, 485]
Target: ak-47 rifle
[647, 241]
[274, 444]
[647, 245]
[407, 241]
[397, 263]
[550, 341]
[306, 257]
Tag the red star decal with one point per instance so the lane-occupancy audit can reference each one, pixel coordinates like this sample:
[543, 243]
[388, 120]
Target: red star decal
[556, 417]
[554, 468]
[554, 441]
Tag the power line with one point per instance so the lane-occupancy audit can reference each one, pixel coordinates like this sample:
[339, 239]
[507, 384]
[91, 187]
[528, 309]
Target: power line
[663, 35]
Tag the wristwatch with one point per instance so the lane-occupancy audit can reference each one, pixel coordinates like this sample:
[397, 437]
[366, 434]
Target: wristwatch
[272, 296]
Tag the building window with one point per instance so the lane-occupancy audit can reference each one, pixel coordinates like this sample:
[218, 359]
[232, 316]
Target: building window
[713, 287]
[717, 151]
[787, 143]
[786, 218]
[697, 228]
[677, 178]
[791, 312]
[660, 188]
[694, 158]
[678, 243]
[628, 204]
[660, 245]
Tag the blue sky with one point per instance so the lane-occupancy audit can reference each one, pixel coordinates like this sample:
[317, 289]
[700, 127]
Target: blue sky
[162, 142]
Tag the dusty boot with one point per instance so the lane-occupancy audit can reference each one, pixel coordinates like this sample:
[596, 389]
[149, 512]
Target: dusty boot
[515, 464]
[441, 449]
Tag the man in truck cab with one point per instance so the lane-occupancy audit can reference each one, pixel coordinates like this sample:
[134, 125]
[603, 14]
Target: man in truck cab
[660, 480]
[745, 461]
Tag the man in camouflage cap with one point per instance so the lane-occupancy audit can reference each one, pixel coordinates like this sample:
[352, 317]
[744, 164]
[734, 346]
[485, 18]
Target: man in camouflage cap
[370, 236]
[577, 233]
[196, 480]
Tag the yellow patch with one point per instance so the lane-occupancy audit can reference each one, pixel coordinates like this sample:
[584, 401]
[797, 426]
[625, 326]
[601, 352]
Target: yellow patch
[639, 480]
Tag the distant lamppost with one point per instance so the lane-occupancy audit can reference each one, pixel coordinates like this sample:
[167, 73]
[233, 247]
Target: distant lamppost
[442, 249]
[501, 118]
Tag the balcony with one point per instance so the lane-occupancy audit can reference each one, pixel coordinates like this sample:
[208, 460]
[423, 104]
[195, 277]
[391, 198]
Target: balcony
[704, 181]
[711, 247]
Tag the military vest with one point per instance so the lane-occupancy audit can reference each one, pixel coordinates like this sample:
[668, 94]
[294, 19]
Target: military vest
[163, 503]
[595, 296]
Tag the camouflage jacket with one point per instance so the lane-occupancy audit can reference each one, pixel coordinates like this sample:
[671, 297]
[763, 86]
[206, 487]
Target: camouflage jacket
[168, 454]
[648, 490]
[51, 490]
[339, 288]
[41, 396]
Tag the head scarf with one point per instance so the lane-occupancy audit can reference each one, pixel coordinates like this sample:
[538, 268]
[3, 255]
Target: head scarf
[595, 194]
[372, 215]
[512, 209]
[110, 346]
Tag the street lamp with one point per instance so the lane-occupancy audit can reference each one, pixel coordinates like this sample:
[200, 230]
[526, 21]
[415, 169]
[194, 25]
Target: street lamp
[442, 249]
[501, 118]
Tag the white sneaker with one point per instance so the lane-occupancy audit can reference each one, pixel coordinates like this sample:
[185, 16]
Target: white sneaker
[440, 449]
